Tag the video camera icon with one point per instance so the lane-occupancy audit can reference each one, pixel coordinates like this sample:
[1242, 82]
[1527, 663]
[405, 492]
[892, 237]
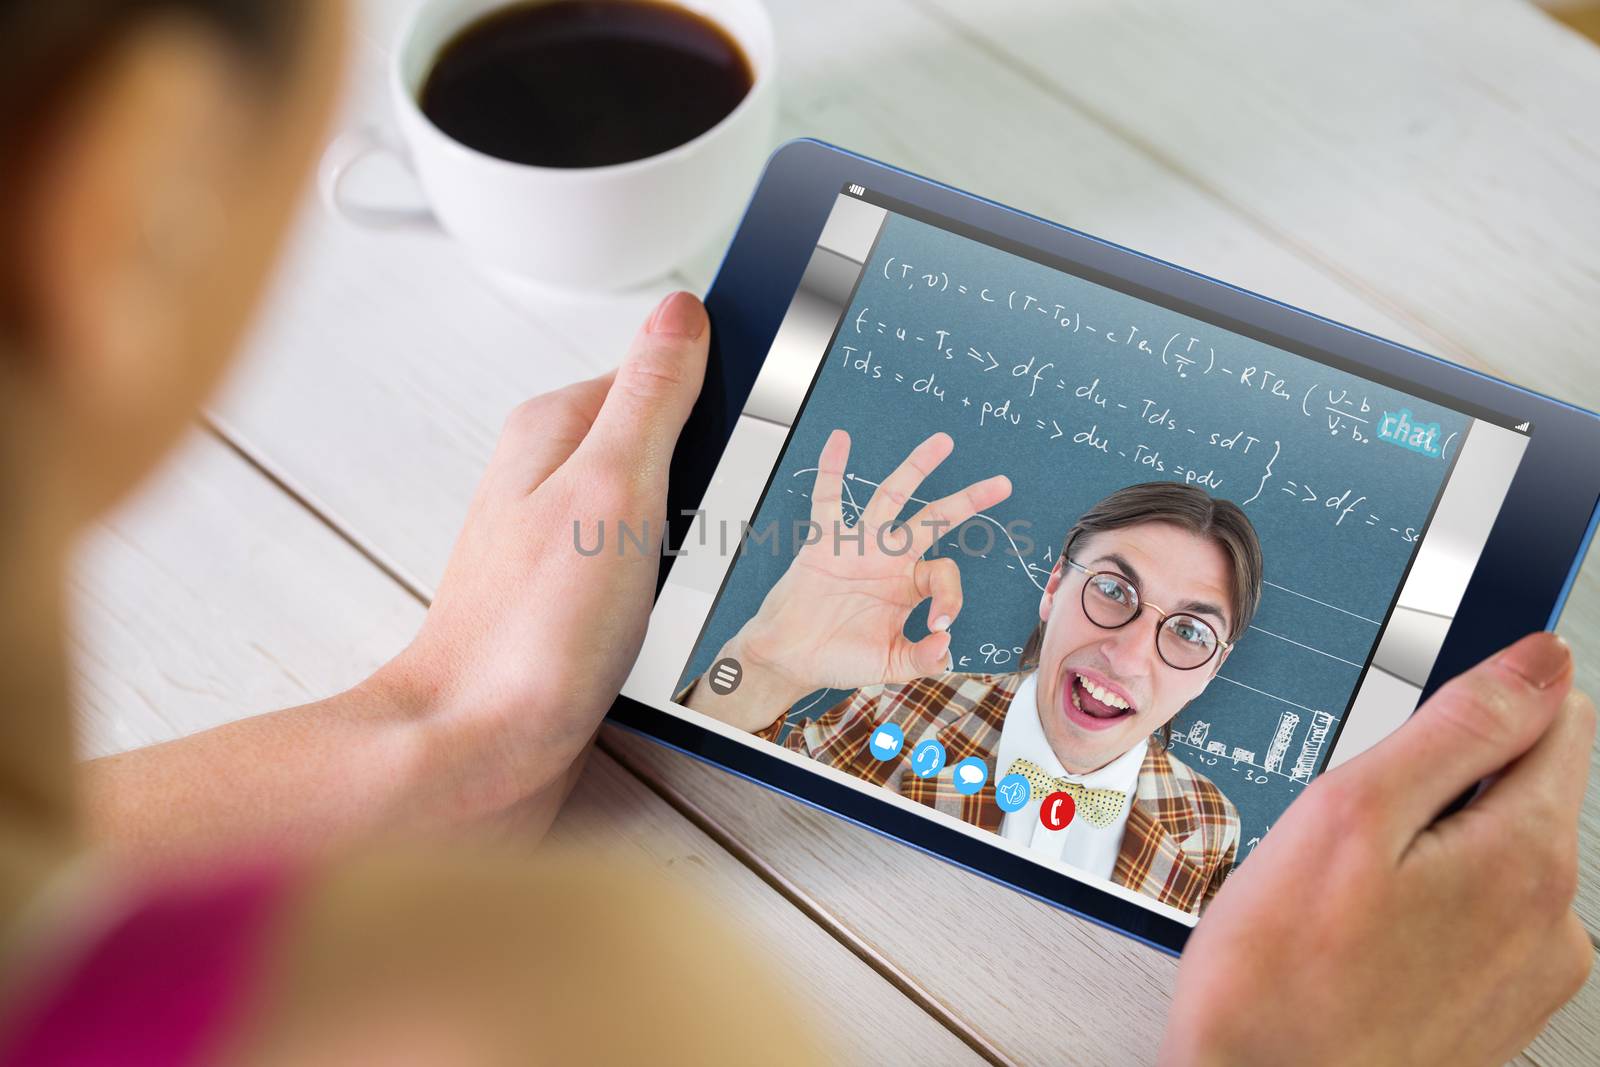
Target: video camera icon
[886, 741]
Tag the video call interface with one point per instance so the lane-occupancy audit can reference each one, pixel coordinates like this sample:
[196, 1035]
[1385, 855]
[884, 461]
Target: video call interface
[1213, 568]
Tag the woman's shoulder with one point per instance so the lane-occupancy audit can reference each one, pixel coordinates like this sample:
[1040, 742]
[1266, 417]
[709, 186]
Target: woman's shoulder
[530, 954]
[159, 980]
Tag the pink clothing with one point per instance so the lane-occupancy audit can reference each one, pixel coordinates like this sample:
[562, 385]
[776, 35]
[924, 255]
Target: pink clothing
[161, 987]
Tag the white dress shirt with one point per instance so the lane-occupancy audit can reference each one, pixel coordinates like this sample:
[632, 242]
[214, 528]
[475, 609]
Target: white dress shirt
[1087, 847]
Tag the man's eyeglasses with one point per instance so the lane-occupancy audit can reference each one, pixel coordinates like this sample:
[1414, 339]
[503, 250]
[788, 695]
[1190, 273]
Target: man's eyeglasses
[1111, 601]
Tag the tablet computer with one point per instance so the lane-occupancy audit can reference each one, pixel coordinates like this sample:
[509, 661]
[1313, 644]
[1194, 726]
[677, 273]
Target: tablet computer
[1063, 563]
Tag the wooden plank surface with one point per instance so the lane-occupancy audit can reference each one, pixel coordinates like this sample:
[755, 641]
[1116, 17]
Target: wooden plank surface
[1040, 985]
[215, 595]
[212, 595]
[428, 357]
[1442, 157]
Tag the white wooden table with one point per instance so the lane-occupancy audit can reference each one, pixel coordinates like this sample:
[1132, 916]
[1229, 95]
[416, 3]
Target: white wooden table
[1428, 171]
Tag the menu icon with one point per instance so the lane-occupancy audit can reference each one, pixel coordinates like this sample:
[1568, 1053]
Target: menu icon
[725, 675]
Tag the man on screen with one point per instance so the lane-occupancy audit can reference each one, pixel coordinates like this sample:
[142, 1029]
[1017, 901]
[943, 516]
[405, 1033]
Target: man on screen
[1153, 586]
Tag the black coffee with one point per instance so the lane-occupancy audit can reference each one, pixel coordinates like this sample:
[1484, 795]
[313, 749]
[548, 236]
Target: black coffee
[584, 83]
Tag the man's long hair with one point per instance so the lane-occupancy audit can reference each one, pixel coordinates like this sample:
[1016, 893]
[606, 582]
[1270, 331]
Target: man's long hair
[1188, 508]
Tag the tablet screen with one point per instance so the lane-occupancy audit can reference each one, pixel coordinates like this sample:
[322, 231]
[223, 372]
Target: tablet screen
[1215, 565]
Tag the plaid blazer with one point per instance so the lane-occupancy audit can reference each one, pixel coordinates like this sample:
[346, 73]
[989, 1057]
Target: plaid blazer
[1182, 834]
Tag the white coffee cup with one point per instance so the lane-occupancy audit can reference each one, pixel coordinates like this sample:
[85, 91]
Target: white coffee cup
[607, 227]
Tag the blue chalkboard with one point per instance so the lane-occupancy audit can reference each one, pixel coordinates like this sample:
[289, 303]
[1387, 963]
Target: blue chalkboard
[1073, 390]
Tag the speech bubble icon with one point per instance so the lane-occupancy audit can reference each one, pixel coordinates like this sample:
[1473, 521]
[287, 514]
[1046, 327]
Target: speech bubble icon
[969, 776]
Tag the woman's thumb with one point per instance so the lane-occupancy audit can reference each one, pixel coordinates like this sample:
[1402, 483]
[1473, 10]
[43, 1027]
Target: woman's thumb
[654, 389]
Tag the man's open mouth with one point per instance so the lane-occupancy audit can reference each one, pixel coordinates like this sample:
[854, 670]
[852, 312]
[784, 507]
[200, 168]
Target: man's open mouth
[1093, 703]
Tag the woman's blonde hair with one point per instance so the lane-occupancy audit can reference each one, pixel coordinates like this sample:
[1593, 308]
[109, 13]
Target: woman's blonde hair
[49, 47]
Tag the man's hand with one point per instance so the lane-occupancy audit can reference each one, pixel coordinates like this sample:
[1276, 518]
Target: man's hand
[837, 616]
[528, 639]
[1362, 931]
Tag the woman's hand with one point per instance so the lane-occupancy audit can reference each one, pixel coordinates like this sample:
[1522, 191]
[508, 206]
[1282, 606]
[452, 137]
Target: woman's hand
[1362, 931]
[528, 639]
[837, 616]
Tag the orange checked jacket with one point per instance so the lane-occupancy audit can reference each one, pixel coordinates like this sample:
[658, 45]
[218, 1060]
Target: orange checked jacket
[1182, 834]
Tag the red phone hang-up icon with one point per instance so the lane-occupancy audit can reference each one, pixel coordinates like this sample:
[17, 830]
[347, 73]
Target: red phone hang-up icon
[1057, 811]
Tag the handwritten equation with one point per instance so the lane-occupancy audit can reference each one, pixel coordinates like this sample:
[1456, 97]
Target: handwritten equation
[1036, 394]
[1344, 414]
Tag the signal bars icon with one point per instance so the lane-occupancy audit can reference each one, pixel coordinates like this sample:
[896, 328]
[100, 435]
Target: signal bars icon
[1522, 427]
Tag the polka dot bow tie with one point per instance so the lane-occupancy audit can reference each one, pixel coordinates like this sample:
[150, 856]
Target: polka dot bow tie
[1100, 806]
